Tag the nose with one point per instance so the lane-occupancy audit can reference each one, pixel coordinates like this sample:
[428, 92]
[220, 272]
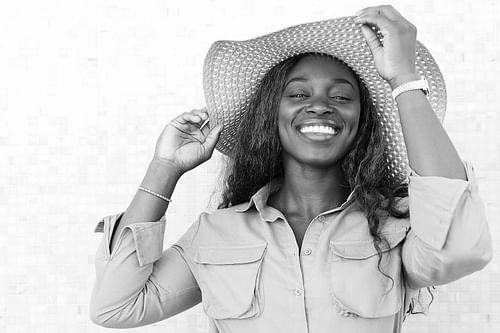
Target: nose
[319, 105]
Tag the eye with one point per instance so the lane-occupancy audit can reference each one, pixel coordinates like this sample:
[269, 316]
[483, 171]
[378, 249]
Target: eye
[340, 98]
[298, 95]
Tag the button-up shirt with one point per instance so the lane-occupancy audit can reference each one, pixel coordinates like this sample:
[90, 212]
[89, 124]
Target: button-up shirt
[243, 263]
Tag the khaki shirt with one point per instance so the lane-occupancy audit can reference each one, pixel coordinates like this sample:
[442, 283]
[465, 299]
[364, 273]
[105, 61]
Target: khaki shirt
[243, 263]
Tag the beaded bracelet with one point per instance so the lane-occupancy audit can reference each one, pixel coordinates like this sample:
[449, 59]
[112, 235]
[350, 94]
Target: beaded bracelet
[155, 194]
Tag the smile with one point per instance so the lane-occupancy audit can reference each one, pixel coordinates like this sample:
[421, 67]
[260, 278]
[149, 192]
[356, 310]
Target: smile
[318, 129]
[319, 132]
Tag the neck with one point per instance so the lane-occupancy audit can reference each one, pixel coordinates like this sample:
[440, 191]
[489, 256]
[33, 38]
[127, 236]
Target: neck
[308, 191]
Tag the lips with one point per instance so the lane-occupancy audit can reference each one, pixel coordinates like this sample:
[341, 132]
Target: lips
[319, 130]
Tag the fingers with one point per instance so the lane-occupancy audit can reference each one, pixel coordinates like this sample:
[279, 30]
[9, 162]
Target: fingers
[205, 123]
[372, 39]
[385, 10]
[212, 138]
[197, 122]
[385, 17]
[193, 121]
[196, 116]
[393, 46]
[205, 127]
[374, 17]
[201, 112]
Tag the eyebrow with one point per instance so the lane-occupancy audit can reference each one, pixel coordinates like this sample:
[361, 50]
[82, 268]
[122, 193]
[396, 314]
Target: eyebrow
[337, 80]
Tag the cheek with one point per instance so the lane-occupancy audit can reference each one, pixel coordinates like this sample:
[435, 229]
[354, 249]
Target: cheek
[284, 110]
[285, 133]
[284, 120]
[282, 131]
[353, 118]
[355, 125]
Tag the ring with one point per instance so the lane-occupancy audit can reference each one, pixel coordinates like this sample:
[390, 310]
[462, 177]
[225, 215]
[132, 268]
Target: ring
[204, 123]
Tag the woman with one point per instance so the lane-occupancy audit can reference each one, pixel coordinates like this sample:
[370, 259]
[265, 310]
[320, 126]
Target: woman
[317, 230]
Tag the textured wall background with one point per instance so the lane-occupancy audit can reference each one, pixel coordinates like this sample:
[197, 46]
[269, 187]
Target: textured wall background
[86, 88]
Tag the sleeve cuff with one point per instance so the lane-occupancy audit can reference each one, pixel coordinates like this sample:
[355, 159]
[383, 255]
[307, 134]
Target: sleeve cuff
[148, 237]
[433, 201]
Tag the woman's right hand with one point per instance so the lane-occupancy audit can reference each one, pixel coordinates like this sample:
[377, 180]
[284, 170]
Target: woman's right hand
[183, 145]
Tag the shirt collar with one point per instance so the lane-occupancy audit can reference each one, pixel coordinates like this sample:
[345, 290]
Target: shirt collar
[259, 200]
[270, 214]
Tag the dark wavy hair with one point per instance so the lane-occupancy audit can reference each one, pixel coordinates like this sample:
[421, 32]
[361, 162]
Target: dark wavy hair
[256, 157]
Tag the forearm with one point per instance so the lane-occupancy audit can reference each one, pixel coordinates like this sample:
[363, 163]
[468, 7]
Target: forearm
[159, 178]
[430, 150]
[139, 283]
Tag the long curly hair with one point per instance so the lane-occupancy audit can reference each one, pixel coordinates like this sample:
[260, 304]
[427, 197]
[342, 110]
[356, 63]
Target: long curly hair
[256, 156]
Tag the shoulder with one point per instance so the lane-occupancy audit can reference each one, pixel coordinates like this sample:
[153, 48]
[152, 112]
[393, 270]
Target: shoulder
[234, 223]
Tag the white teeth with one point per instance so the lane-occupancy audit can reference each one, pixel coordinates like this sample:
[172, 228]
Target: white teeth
[321, 129]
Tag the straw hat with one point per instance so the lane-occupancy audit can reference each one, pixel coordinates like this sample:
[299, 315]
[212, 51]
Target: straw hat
[233, 70]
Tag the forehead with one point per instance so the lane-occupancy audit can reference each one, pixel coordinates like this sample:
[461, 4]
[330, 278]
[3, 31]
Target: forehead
[317, 65]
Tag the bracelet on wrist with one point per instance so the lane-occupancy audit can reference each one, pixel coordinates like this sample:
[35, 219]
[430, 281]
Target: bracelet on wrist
[421, 84]
[155, 194]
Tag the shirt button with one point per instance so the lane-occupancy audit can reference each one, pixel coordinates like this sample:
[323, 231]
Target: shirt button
[321, 218]
[307, 252]
[298, 291]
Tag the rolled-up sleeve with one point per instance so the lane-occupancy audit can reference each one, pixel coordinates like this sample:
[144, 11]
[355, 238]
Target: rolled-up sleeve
[138, 283]
[147, 236]
[449, 236]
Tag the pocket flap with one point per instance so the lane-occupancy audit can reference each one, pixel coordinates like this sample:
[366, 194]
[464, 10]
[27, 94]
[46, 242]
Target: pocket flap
[229, 255]
[363, 249]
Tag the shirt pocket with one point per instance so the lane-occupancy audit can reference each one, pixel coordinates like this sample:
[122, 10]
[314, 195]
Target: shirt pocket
[358, 288]
[230, 280]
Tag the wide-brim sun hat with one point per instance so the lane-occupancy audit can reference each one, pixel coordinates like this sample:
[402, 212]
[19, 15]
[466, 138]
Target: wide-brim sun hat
[233, 70]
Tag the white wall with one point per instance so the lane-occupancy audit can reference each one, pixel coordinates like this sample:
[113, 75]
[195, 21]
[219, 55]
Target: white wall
[86, 88]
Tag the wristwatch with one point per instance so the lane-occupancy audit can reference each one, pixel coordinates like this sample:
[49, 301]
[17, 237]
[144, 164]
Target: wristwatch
[421, 84]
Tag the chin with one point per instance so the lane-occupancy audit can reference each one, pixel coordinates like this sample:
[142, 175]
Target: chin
[324, 164]
[315, 160]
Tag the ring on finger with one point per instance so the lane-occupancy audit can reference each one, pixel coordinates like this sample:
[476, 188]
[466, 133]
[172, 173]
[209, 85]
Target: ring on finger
[204, 123]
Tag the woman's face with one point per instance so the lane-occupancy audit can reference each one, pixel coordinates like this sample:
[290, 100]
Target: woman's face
[319, 112]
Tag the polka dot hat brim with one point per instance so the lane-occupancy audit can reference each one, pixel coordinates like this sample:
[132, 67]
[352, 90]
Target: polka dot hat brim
[233, 70]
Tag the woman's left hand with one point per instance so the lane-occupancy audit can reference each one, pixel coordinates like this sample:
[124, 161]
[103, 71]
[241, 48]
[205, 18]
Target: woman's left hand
[395, 59]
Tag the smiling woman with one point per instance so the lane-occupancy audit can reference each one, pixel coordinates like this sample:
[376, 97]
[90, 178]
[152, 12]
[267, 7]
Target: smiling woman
[320, 227]
[296, 98]
[318, 115]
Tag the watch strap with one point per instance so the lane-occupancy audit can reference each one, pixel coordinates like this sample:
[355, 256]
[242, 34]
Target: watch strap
[421, 84]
